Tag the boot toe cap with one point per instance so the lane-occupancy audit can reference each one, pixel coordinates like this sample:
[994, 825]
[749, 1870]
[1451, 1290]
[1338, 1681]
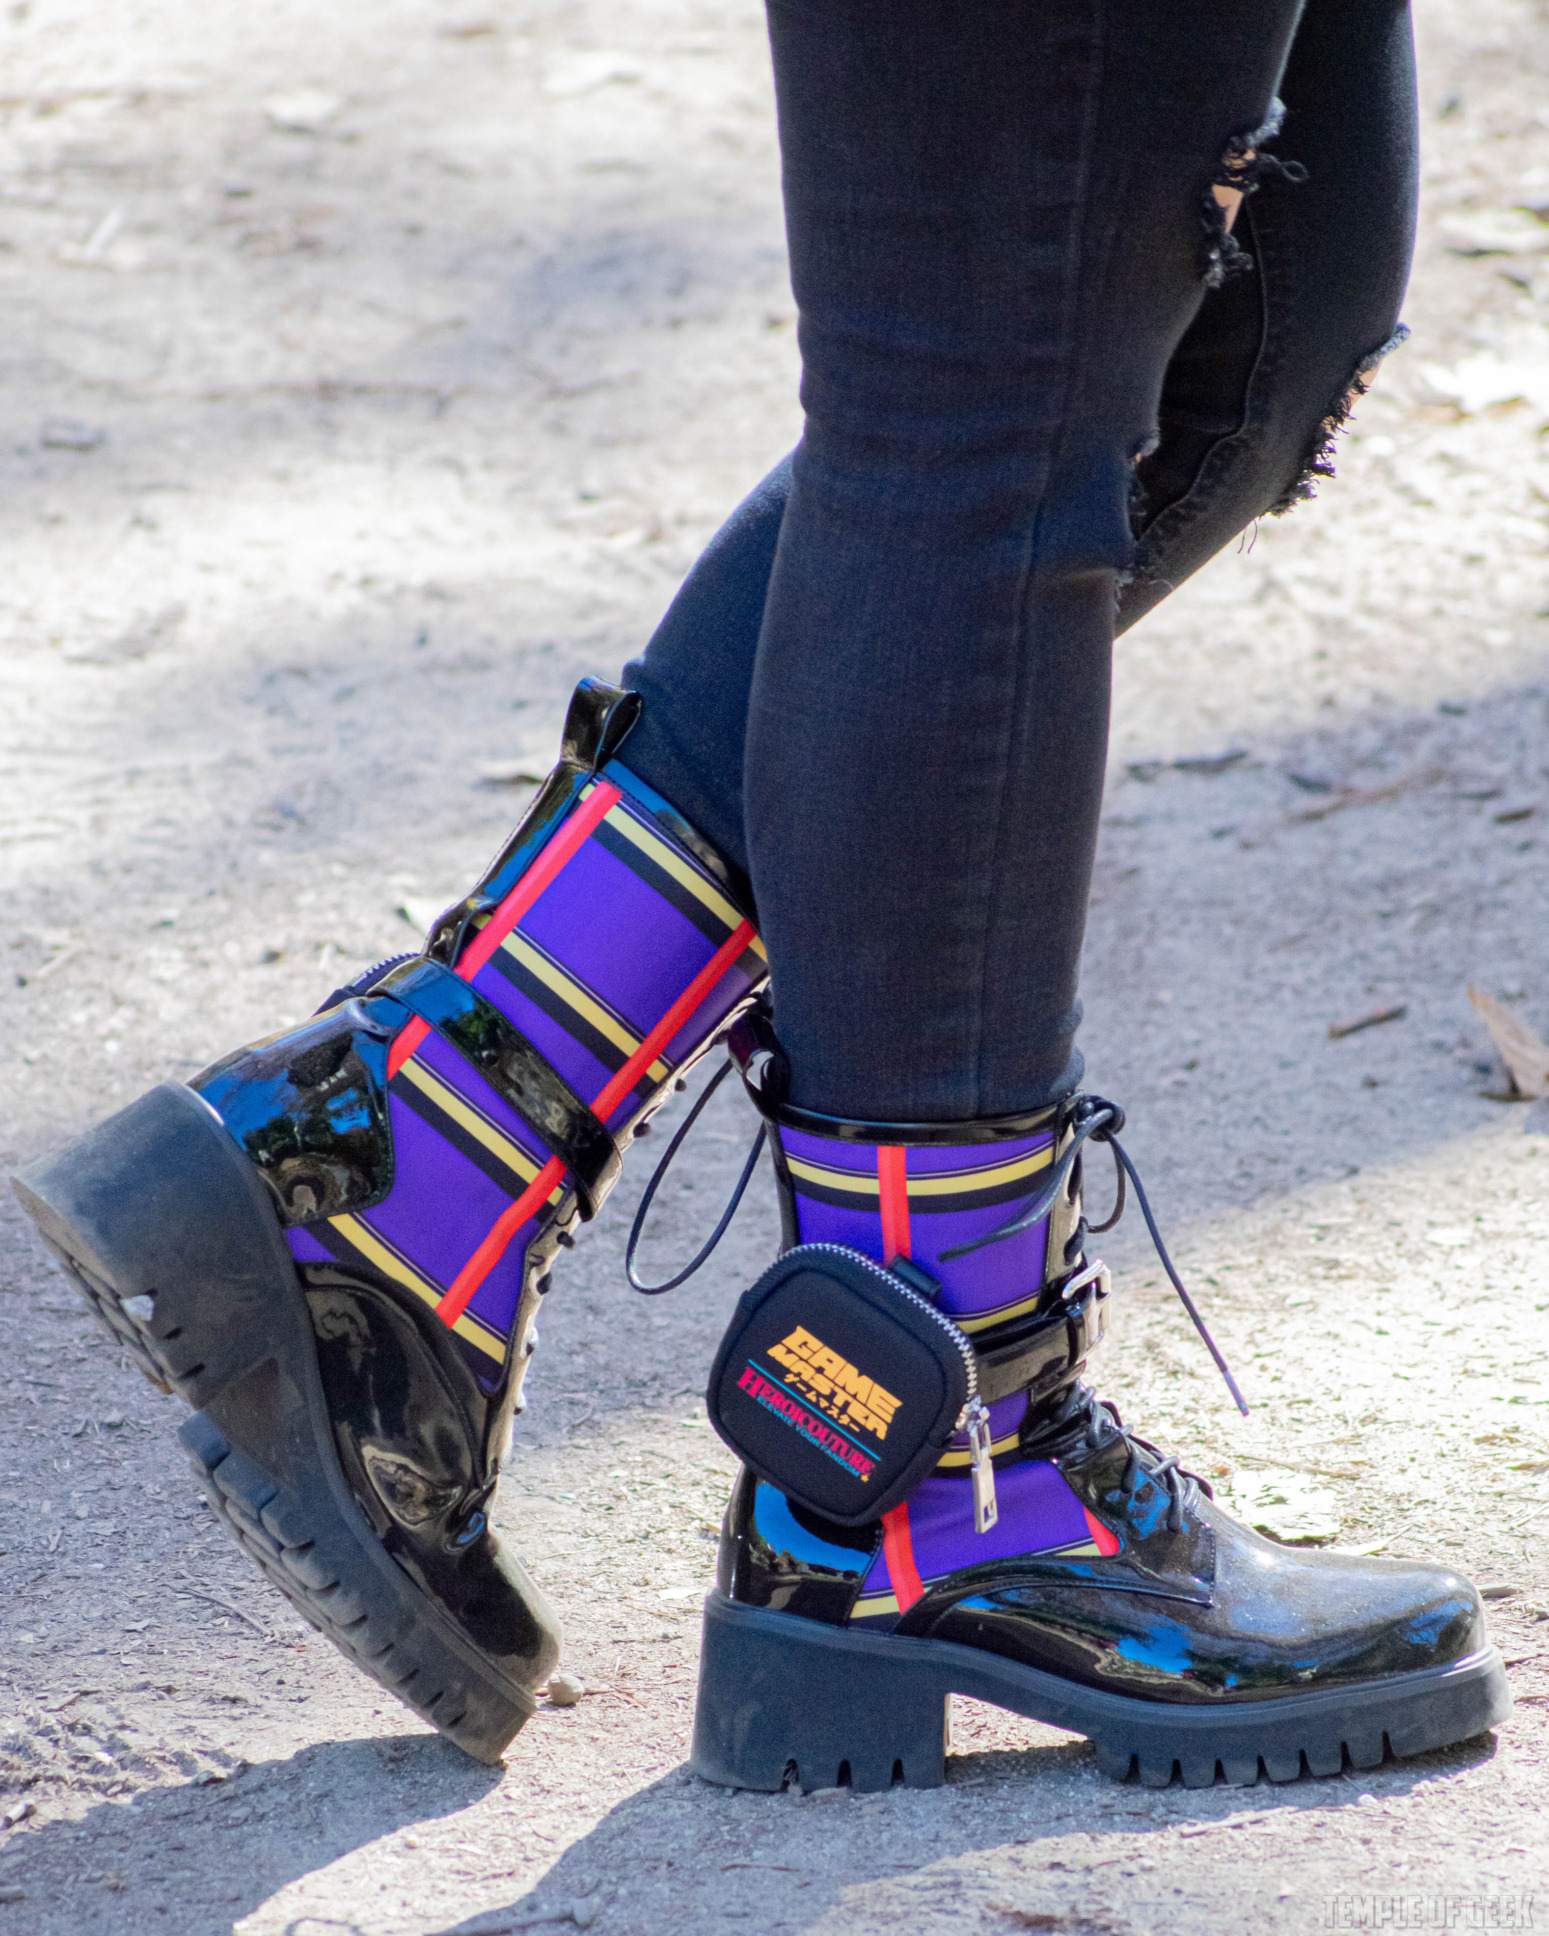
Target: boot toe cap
[1344, 1616]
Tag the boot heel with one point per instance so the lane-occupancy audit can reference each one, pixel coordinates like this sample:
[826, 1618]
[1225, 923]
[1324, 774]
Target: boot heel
[785, 1701]
[165, 1229]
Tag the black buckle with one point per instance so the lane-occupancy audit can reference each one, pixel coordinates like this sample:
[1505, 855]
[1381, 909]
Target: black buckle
[1045, 1354]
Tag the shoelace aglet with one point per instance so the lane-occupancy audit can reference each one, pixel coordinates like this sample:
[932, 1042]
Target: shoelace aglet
[1210, 1345]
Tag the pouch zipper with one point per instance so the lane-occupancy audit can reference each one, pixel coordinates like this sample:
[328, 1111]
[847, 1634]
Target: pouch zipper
[974, 1418]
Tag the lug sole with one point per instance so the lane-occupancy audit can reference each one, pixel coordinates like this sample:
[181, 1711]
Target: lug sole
[163, 1226]
[785, 1700]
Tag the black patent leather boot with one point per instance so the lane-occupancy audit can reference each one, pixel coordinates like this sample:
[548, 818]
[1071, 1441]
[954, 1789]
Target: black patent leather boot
[1099, 1587]
[333, 1244]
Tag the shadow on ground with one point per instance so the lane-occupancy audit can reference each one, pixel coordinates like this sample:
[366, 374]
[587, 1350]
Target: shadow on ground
[680, 1848]
[285, 1819]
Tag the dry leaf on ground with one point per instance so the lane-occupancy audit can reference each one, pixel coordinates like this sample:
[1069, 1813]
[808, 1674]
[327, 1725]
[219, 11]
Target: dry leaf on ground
[1370, 796]
[1525, 1054]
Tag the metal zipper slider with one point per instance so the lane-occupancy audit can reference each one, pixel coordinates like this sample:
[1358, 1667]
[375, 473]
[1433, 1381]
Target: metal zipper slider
[986, 1510]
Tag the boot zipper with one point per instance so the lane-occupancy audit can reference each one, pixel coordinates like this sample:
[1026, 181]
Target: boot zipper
[975, 1415]
[981, 1464]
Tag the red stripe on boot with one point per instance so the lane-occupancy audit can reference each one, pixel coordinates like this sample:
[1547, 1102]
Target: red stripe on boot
[893, 1191]
[693, 997]
[405, 1042]
[510, 1220]
[545, 870]
[898, 1551]
[493, 1248]
[1106, 1542]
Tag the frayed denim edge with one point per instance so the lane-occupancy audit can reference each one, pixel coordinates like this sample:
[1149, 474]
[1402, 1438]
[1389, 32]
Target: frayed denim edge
[1243, 165]
[1319, 458]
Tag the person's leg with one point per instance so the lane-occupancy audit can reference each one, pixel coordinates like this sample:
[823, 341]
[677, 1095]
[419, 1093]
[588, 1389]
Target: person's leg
[1244, 412]
[1266, 372]
[695, 674]
[999, 236]
[996, 247]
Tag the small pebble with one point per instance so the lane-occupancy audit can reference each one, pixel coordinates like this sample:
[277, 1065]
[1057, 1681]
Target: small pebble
[565, 1690]
[830, 1794]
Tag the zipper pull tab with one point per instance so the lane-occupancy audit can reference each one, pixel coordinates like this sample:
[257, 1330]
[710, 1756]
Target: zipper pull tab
[986, 1510]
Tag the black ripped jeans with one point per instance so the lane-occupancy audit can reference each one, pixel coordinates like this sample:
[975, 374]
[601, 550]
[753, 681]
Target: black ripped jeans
[1041, 387]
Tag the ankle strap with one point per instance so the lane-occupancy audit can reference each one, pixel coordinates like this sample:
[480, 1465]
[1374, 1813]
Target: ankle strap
[755, 1048]
[1039, 1355]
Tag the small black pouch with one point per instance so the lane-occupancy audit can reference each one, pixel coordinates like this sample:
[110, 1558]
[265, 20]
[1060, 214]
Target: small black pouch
[840, 1384]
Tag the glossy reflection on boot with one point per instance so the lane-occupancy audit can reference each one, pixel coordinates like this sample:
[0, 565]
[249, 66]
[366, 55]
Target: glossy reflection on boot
[431, 1139]
[775, 1553]
[309, 1109]
[1203, 1611]
[1107, 1564]
[426, 1144]
[1191, 1606]
[411, 1432]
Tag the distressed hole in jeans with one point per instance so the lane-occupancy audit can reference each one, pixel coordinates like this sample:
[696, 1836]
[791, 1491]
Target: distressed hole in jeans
[1318, 458]
[1242, 166]
[1141, 508]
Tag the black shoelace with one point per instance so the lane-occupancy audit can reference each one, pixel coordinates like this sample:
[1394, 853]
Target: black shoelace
[1092, 1119]
[649, 1193]
[1095, 1120]
[1096, 1420]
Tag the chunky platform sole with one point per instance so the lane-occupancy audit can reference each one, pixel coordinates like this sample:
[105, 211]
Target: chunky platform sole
[783, 1700]
[168, 1233]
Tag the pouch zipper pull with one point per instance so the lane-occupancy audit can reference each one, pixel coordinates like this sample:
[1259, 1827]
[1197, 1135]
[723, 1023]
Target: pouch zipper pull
[986, 1510]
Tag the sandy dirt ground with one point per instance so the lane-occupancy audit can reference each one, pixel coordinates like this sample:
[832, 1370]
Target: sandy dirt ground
[370, 372]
